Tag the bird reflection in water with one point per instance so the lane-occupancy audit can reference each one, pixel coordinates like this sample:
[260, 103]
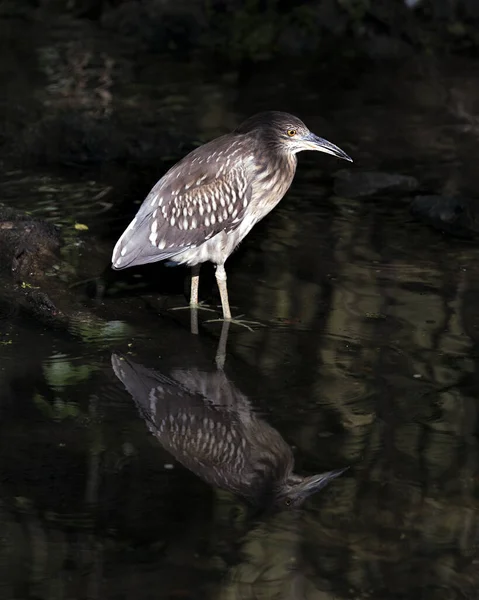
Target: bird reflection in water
[209, 426]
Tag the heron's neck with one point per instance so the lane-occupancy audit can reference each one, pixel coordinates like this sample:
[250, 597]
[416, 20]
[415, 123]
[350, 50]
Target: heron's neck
[282, 160]
[286, 163]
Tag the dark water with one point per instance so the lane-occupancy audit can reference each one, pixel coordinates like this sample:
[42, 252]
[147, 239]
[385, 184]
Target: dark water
[368, 359]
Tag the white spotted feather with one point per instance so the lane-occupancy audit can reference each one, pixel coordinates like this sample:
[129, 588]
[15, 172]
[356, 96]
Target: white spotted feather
[176, 217]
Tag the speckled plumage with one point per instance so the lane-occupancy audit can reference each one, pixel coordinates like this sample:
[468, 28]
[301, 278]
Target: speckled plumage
[204, 198]
[209, 426]
[203, 207]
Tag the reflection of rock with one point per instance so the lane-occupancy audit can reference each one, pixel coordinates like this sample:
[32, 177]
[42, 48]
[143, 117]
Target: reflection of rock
[353, 184]
[74, 102]
[271, 562]
[457, 216]
[209, 426]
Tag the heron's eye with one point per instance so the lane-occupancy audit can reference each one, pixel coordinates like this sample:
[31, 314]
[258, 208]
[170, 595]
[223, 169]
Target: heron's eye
[288, 501]
[291, 132]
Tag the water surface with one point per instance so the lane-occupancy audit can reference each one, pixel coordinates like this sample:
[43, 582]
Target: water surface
[367, 358]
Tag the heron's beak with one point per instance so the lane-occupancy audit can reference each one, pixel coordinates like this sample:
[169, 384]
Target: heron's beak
[311, 485]
[314, 142]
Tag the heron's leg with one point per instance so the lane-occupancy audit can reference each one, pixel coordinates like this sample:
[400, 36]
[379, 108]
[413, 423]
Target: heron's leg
[195, 283]
[223, 288]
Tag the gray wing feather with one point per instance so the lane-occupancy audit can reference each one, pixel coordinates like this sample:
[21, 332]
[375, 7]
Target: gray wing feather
[205, 193]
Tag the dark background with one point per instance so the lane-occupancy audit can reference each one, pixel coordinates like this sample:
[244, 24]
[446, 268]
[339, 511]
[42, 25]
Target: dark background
[87, 81]
[369, 353]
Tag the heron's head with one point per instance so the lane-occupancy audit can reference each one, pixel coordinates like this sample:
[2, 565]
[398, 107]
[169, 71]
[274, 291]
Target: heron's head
[288, 133]
[297, 489]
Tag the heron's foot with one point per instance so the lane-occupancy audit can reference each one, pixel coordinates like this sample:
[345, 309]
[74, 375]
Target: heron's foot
[199, 306]
[238, 321]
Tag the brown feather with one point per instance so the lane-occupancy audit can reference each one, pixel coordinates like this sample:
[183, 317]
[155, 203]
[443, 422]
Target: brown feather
[203, 194]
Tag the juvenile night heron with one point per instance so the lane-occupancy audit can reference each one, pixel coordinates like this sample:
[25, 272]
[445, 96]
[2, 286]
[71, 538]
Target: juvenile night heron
[210, 427]
[203, 207]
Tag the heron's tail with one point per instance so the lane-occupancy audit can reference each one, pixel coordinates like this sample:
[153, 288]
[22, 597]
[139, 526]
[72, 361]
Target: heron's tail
[134, 247]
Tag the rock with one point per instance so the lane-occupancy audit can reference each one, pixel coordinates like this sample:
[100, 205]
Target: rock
[32, 274]
[454, 215]
[354, 184]
[28, 248]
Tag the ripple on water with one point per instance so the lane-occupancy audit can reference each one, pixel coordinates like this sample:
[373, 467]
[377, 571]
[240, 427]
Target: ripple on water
[82, 387]
[63, 370]
[98, 332]
[55, 199]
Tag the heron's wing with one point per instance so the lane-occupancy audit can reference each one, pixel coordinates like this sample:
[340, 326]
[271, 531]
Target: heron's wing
[206, 192]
